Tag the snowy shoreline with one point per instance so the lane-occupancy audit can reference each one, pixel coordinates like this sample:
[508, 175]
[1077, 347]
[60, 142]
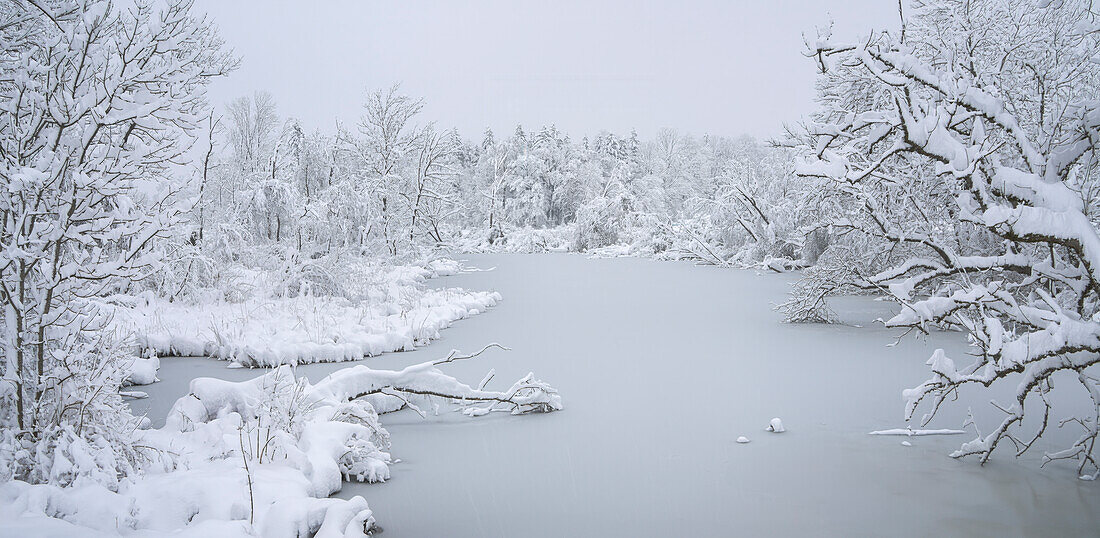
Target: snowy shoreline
[390, 309]
[300, 330]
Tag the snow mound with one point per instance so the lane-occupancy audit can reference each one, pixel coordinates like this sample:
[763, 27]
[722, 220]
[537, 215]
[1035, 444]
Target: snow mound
[445, 267]
[743, 439]
[258, 457]
[776, 426]
[143, 371]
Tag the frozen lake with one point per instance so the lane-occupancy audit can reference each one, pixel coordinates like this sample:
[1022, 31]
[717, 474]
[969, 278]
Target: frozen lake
[661, 366]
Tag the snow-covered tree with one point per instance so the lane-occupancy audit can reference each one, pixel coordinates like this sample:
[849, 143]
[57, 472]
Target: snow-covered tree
[98, 104]
[963, 149]
[430, 197]
[386, 138]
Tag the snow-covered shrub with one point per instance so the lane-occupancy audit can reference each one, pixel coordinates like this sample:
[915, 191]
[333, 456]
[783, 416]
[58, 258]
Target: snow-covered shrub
[82, 430]
[529, 240]
[832, 275]
[598, 223]
[814, 244]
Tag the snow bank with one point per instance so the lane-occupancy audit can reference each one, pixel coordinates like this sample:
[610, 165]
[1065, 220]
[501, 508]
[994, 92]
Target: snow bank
[235, 459]
[259, 457]
[445, 267]
[209, 501]
[386, 311]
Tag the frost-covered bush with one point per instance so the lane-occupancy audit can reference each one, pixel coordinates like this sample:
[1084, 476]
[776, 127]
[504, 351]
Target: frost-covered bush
[529, 240]
[598, 223]
[82, 430]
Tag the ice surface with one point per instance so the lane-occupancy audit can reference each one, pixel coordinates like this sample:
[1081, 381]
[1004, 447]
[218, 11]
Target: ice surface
[909, 432]
[664, 365]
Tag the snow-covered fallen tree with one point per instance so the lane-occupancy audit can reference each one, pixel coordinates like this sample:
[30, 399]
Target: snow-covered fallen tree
[257, 457]
[963, 151]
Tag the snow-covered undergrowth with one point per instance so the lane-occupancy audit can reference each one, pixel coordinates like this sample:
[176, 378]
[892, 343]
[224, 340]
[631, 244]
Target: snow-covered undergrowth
[384, 308]
[523, 240]
[697, 240]
[254, 458]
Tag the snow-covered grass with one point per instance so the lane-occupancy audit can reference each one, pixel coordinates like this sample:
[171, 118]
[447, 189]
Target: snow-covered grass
[294, 330]
[386, 309]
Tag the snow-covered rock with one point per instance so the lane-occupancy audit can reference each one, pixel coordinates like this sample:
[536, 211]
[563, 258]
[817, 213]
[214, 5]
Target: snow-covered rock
[776, 426]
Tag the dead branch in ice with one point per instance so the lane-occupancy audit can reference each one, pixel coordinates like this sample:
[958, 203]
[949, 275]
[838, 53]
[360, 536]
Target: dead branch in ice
[526, 395]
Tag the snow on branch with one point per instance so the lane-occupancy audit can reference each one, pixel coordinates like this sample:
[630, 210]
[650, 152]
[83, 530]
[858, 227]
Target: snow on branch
[964, 166]
[426, 380]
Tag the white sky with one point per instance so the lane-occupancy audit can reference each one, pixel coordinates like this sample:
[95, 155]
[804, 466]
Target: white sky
[704, 67]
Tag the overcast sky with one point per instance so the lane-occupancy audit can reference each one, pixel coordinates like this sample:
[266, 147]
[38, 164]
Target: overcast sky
[704, 67]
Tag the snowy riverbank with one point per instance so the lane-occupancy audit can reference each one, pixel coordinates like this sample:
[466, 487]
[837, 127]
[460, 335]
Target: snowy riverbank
[665, 365]
[388, 309]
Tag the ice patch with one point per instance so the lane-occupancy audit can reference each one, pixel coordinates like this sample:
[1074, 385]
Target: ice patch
[907, 431]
